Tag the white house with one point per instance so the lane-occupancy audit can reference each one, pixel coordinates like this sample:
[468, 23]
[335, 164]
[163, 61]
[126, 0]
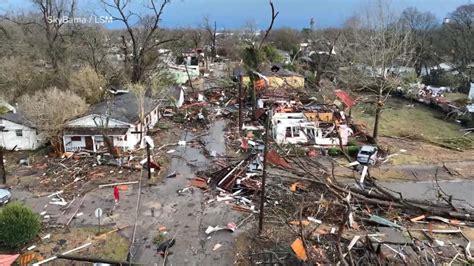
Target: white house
[117, 118]
[17, 132]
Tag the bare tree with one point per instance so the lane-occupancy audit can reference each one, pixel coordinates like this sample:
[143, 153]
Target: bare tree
[381, 47]
[53, 25]
[50, 109]
[196, 38]
[102, 123]
[254, 57]
[459, 28]
[421, 26]
[94, 40]
[142, 38]
[250, 30]
[139, 90]
[211, 31]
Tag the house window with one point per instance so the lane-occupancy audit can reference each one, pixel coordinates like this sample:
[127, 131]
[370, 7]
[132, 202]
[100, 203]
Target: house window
[288, 132]
[76, 138]
[19, 132]
[296, 131]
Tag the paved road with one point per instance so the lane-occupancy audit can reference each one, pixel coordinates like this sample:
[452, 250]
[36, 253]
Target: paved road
[461, 190]
[187, 216]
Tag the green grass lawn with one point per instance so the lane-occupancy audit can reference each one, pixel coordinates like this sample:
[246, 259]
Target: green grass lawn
[453, 96]
[419, 122]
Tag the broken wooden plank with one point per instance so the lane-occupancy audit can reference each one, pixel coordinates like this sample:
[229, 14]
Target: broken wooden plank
[111, 232]
[117, 184]
[65, 253]
[75, 212]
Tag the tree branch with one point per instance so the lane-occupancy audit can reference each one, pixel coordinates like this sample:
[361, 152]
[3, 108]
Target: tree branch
[274, 16]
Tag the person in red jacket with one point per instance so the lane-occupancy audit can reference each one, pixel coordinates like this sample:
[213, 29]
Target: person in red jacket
[116, 194]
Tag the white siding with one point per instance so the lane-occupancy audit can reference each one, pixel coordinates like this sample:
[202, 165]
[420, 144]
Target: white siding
[128, 141]
[70, 145]
[119, 141]
[9, 139]
[153, 117]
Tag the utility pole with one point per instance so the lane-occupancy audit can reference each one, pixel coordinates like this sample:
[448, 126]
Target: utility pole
[241, 102]
[264, 175]
[148, 160]
[3, 174]
[148, 155]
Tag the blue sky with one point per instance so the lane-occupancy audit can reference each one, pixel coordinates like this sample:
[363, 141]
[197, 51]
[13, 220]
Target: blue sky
[235, 13]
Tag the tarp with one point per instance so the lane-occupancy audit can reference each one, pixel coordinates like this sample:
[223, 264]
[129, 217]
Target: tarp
[7, 260]
[345, 98]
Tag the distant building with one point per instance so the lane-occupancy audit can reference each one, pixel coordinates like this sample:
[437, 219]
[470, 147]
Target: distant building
[285, 56]
[181, 74]
[123, 129]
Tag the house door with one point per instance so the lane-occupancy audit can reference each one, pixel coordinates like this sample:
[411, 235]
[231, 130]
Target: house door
[89, 143]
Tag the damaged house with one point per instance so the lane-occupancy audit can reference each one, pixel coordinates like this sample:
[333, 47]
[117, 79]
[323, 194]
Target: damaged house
[118, 119]
[275, 77]
[279, 77]
[316, 125]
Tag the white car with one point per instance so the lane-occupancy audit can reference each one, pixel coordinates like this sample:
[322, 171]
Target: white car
[5, 196]
[367, 155]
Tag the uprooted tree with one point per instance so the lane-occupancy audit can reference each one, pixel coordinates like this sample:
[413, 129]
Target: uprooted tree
[50, 109]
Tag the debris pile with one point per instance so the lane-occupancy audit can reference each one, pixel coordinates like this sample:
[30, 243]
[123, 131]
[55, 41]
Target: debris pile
[330, 222]
[75, 173]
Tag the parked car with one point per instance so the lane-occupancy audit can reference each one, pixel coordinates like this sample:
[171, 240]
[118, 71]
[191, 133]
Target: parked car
[5, 196]
[367, 155]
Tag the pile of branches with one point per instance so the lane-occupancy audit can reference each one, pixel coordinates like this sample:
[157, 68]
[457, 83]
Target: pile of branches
[380, 196]
[347, 207]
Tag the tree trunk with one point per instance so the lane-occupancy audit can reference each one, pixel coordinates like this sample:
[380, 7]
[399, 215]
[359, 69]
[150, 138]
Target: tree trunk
[254, 97]
[3, 174]
[57, 145]
[378, 110]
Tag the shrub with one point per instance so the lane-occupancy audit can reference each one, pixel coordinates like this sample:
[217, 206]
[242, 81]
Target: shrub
[18, 225]
[353, 150]
[352, 142]
[334, 151]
